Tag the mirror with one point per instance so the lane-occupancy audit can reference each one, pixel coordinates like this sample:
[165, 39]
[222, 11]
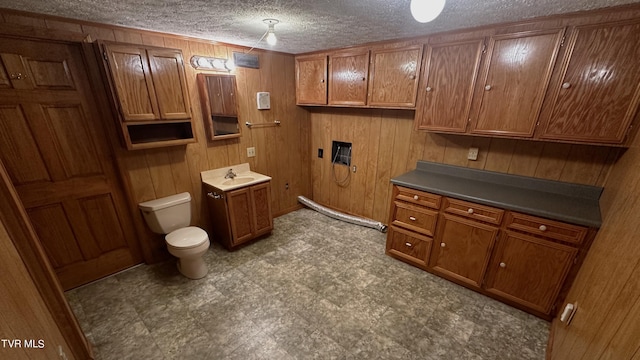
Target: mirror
[219, 106]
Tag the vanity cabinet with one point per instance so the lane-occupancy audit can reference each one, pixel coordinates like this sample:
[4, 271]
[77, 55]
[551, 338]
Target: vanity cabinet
[523, 260]
[219, 105]
[311, 79]
[596, 93]
[240, 215]
[149, 94]
[348, 78]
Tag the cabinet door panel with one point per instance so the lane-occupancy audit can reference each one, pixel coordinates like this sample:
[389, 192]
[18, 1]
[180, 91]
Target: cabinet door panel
[240, 215]
[136, 94]
[311, 80]
[462, 249]
[515, 78]
[528, 270]
[598, 95]
[394, 76]
[261, 202]
[444, 98]
[167, 71]
[348, 74]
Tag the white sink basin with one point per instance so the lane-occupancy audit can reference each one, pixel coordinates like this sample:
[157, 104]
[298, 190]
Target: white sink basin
[244, 177]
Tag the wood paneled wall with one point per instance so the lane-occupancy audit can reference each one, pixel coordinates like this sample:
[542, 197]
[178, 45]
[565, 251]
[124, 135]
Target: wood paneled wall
[385, 145]
[281, 152]
[606, 324]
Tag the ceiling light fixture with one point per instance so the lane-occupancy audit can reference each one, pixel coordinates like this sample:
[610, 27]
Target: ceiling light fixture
[426, 10]
[270, 34]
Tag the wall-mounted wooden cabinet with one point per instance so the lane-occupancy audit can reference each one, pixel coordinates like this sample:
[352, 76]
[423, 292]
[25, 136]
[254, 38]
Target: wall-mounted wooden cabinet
[149, 93]
[219, 105]
[382, 78]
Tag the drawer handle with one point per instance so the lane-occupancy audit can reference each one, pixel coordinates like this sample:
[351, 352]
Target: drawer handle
[412, 218]
[416, 197]
[503, 265]
[470, 211]
[442, 244]
[408, 244]
[542, 228]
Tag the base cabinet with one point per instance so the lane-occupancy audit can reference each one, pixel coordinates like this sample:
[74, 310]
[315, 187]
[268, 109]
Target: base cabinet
[522, 260]
[240, 215]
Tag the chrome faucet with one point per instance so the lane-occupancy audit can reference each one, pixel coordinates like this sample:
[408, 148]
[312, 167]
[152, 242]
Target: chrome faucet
[230, 174]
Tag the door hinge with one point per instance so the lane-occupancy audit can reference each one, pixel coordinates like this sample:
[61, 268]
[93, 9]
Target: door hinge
[575, 260]
[562, 41]
[104, 55]
[484, 48]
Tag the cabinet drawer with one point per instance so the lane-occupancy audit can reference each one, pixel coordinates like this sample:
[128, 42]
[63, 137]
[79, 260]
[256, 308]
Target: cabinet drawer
[408, 246]
[548, 228]
[419, 197]
[414, 218]
[473, 211]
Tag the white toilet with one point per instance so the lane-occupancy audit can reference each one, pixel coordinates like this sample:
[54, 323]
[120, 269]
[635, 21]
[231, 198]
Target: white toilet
[171, 215]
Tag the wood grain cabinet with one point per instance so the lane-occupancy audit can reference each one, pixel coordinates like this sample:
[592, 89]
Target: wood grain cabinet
[596, 92]
[219, 105]
[240, 215]
[394, 76]
[149, 93]
[348, 78]
[311, 80]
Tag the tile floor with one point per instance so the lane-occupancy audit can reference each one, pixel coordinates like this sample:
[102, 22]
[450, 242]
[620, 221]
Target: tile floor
[317, 288]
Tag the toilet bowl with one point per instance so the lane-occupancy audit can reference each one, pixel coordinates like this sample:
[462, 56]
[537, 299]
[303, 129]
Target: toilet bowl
[171, 215]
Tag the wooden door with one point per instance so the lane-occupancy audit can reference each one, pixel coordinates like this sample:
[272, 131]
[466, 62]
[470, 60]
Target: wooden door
[528, 270]
[261, 203]
[444, 97]
[598, 94]
[462, 249]
[240, 215]
[167, 72]
[393, 80]
[514, 81]
[348, 74]
[54, 149]
[131, 78]
[311, 80]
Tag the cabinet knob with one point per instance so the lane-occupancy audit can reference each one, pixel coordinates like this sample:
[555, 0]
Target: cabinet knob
[470, 211]
[503, 265]
[408, 244]
[364, 78]
[429, 88]
[416, 197]
[487, 87]
[542, 228]
[443, 244]
[566, 85]
[412, 218]
[412, 77]
[322, 80]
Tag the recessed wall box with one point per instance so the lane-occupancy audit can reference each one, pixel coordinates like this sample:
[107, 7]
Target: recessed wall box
[264, 100]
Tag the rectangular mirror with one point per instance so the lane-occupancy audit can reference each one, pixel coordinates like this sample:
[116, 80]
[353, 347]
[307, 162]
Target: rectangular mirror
[219, 106]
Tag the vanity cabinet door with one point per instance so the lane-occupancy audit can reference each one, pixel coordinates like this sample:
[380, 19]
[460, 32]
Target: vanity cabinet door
[462, 249]
[240, 215]
[528, 270]
[261, 203]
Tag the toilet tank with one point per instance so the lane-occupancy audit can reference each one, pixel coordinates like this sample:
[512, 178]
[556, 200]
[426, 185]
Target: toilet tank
[168, 213]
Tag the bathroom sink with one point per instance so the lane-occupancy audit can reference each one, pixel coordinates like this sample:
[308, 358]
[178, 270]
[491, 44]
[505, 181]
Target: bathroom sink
[239, 180]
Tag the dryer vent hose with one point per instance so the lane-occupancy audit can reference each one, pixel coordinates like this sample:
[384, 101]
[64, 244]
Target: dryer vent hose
[344, 217]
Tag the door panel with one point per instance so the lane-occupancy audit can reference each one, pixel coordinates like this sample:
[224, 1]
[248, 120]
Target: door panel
[60, 162]
[261, 197]
[169, 83]
[240, 215]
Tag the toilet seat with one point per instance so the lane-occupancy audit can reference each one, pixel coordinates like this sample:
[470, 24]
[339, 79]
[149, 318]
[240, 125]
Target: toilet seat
[186, 238]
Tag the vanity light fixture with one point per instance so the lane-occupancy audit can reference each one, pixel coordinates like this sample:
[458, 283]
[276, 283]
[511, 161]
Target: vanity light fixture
[426, 10]
[270, 34]
[211, 63]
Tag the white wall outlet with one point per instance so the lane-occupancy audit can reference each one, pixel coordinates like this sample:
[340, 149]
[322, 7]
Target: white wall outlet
[251, 152]
[473, 153]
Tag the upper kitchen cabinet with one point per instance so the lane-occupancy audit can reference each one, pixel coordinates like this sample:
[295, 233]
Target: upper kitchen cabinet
[514, 79]
[348, 75]
[596, 94]
[393, 78]
[311, 80]
[149, 93]
[449, 77]
[219, 105]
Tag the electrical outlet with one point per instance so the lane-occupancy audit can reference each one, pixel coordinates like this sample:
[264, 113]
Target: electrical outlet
[473, 154]
[251, 152]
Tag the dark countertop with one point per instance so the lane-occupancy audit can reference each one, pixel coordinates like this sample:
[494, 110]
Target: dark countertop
[571, 203]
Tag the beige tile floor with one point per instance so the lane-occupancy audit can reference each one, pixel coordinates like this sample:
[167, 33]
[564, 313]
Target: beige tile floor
[317, 288]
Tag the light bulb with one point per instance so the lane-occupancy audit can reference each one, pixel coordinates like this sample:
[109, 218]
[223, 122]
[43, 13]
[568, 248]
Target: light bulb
[271, 37]
[426, 10]
[230, 65]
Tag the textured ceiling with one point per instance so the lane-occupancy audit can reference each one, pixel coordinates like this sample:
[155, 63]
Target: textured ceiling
[305, 25]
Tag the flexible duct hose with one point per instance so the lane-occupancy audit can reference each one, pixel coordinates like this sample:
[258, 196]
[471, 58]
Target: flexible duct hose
[344, 217]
